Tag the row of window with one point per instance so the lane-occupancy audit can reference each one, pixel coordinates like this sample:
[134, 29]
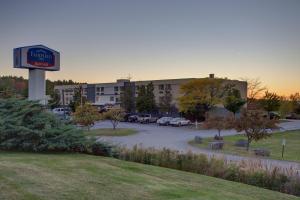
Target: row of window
[165, 87]
[111, 98]
[116, 89]
[121, 88]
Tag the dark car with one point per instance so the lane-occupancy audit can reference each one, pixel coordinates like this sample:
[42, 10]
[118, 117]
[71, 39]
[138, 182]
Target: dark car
[274, 115]
[126, 117]
[133, 118]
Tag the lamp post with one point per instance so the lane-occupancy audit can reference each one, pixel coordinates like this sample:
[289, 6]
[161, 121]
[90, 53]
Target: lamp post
[283, 146]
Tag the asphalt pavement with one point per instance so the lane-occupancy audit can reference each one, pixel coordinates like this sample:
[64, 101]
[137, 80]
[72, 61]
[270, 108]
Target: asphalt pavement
[176, 138]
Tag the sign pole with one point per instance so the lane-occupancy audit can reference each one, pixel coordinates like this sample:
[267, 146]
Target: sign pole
[37, 86]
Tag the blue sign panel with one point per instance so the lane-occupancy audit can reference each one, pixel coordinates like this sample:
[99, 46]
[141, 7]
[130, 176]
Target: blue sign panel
[40, 57]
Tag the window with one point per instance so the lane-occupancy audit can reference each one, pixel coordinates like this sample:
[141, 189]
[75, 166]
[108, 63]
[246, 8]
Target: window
[168, 87]
[98, 89]
[161, 99]
[122, 88]
[102, 89]
[116, 88]
[161, 87]
[112, 98]
[117, 100]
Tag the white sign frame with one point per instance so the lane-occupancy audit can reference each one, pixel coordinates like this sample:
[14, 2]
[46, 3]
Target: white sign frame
[41, 55]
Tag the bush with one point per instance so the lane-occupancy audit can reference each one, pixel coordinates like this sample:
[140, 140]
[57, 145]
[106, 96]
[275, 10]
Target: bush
[198, 139]
[103, 149]
[241, 143]
[217, 137]
[86, 115]
[292, 186]
[248, 173]
[27, 126]
[261, 152]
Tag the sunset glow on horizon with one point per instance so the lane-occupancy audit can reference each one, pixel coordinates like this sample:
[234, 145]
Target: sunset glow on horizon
[101, 41]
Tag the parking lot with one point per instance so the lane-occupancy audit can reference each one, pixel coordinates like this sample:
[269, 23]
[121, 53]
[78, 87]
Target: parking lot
[176, 138]
[152, 135]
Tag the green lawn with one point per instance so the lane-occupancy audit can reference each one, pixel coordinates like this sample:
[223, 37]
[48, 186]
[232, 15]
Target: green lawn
[110, 132]
[31, 176]
[273, 143]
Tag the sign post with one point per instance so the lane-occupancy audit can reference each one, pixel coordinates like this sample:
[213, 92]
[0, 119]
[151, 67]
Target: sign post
[283, 145]
[37, 59]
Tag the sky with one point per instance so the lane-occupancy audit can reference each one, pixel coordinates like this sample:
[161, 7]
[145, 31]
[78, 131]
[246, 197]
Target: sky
[101, 41]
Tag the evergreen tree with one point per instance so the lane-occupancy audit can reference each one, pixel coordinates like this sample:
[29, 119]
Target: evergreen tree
[141, 99]
[165, 103]
[128, 99]
[145, 102]
[26, 125]
[150, 98]
[54, 102]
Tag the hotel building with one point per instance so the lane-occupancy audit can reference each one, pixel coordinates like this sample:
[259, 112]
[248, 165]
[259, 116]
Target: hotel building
[101, 94]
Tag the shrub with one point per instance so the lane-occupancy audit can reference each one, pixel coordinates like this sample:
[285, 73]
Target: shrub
[241, 143]
[245, 172]
[217, 137]
[114, 115]
[103, 149]
[27, 126]
[261, 152]
[86, 115]
[292, 186]
[198, 139]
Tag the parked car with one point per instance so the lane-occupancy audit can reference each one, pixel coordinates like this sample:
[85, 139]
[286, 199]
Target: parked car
[164, 121]
[133, 118]
[274, 115]
[178, 121]
[293, 116]
[147, 118]
[126, 117]
[61, 111]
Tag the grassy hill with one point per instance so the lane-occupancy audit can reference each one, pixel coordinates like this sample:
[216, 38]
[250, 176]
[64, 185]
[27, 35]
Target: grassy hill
[76, 176]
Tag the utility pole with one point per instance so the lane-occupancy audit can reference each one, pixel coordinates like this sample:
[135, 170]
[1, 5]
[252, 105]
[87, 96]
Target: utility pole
[81, 91]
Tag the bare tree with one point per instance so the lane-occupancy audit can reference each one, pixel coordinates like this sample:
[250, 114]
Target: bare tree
[255, 88]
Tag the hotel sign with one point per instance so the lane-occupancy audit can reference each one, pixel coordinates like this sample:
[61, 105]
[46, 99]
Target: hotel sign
[37, 57]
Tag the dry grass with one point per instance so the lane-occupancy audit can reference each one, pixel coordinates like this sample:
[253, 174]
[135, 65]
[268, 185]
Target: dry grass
[77, 176]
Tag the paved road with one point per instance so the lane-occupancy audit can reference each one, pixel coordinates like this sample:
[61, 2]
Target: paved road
[176, 138]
